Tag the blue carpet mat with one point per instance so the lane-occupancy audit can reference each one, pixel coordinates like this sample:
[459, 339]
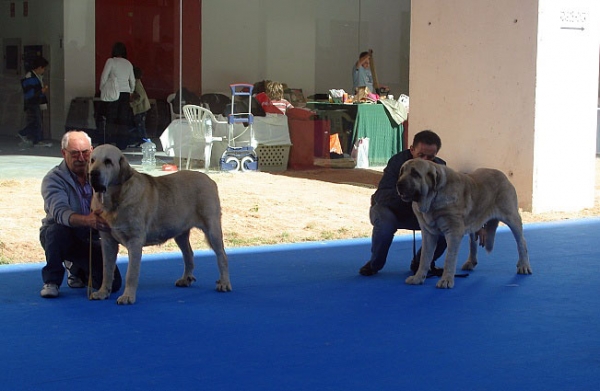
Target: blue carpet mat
[301, 318]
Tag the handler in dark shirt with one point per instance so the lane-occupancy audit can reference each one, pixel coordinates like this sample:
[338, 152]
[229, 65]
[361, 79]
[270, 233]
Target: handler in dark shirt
[388, 212]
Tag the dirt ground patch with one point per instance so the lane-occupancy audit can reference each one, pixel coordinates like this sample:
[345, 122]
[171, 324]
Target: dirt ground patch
[258, 209]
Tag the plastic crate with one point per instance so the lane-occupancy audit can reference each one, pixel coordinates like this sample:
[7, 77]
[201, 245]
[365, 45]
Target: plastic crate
[273, 157]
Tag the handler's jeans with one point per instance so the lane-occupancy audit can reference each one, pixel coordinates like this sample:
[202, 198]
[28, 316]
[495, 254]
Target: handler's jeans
[385, 224]
[61, 243]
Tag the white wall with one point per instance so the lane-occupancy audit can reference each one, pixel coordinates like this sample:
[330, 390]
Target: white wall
[244, 42]
[310, 44]
[478, 80]
[566, 104]
[79, 42]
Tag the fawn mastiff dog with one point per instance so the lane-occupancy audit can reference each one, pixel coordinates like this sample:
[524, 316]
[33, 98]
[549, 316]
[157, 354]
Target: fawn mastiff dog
[144, 210]
[453, 204]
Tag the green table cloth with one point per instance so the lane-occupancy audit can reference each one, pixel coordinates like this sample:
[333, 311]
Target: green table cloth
[385, 137]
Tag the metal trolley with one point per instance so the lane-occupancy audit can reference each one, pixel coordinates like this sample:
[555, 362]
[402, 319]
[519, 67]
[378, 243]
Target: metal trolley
[242, 157]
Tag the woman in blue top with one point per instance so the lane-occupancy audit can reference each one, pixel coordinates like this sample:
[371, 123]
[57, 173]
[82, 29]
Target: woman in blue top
[361, 72]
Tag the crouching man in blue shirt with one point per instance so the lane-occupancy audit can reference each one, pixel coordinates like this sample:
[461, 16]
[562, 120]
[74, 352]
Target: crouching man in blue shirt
[70, 227]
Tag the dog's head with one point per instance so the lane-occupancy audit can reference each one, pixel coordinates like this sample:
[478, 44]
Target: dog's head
[108, 167]
[419, 181]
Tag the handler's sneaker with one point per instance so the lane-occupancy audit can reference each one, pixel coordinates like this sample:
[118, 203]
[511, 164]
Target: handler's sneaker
[25, 142]
[23, 138]
[367, 270]
[43, 144]
[414, 266]
[434, 271]
[49, 291]
[74, 281]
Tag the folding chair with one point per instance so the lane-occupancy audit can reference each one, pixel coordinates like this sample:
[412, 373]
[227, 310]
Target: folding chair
[201, 121]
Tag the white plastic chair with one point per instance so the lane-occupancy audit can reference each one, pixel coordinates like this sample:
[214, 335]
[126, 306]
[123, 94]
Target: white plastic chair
[174, 115]
[199, 119]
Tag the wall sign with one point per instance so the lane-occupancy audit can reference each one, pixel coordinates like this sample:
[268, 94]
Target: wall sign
[573, 19]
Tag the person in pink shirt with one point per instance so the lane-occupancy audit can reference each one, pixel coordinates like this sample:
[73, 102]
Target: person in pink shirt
[274, 91]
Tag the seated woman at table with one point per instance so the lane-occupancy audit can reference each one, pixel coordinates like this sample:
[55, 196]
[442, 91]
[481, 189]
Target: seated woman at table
[272, 99]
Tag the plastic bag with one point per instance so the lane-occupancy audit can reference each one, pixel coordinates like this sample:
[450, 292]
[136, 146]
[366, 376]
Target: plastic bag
[360, 153]
[404, 100]
[334, 144]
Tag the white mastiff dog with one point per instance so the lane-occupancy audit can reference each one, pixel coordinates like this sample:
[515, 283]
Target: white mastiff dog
[454, 204]
[145, 210]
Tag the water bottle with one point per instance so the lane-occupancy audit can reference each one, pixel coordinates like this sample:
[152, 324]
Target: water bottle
[208, 129]
[148, 155]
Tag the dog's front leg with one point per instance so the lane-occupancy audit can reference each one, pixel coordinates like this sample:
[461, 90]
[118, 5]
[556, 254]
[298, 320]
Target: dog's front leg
[447, 279]
[133, 274]
[428, 245]
[110, 248]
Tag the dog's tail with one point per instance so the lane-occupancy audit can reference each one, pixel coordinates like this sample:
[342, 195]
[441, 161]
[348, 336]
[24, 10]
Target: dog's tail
[490, 230]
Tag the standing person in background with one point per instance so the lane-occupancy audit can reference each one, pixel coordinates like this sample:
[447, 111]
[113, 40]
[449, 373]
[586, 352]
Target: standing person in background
[35, 100]
[361, 72]
[118, 113]
[140, 104]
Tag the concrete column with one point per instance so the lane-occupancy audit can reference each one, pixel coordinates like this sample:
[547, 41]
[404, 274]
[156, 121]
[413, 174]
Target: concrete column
[511, 85]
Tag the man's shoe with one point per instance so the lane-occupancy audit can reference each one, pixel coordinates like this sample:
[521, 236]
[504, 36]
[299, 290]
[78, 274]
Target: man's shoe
[74, 281]
[43, 144]
[49, 291]
[433, 270]
[414, 266]
[23, 138]
[367, 270]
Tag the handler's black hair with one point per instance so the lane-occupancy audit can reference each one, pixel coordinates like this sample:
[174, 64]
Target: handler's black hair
[427, 137]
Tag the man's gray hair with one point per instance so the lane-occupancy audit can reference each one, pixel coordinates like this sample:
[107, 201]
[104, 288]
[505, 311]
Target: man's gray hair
[64, 143]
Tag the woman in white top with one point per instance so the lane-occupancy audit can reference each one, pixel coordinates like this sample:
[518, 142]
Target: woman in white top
[119, 117]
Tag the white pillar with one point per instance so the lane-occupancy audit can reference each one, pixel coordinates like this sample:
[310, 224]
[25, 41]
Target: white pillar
[511, 85]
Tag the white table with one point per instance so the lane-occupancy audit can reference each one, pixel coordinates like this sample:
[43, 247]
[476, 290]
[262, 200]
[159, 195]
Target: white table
[176, 139]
